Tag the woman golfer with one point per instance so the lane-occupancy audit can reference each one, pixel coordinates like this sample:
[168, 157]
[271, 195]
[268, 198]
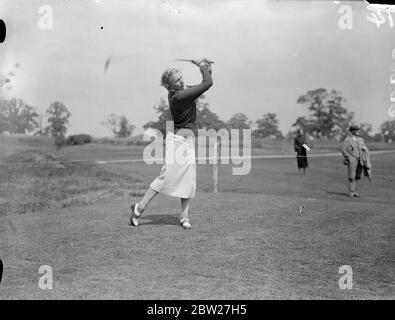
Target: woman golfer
[178, 175]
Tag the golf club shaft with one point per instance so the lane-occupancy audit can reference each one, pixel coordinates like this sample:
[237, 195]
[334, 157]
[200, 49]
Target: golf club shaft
[189, 60]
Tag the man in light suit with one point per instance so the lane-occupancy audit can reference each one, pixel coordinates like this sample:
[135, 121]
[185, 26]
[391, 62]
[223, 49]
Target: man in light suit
[352, 151]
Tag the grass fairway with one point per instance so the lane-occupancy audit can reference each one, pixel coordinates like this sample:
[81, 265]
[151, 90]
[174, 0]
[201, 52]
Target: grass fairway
[246, 242]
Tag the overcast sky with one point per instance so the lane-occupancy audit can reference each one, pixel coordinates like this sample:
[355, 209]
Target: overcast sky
[266, 53]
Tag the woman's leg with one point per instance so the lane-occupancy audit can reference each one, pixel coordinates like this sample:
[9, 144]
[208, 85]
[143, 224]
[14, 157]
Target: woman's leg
[137, 209]
[185, 203]
[149, 195]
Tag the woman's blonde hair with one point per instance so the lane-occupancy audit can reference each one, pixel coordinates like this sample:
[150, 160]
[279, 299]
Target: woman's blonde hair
[166, 78]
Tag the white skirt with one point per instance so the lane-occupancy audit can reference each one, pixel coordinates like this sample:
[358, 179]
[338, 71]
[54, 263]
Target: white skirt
[178, 175]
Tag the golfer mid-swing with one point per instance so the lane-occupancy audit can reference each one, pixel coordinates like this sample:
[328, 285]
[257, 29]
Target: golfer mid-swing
[178, 178]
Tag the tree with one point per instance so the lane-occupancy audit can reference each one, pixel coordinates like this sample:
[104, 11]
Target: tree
[162, 109]
[205, 118]
[378, 137]
[238, 121]
[268, 127]
[307, 125]
[58, 120]
[42, 131]
[340, 130]
[119, 125]
[387, 130]
[125, 129]
[366, 129]
[16, 116]
[4, 124]
[328, 116]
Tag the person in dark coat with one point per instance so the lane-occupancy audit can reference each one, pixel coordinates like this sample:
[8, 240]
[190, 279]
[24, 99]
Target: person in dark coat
[300, 145]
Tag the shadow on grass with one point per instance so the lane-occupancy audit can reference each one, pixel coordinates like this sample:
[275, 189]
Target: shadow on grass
[294, 174]
[162, 219]
[363, 199]
[344, 194]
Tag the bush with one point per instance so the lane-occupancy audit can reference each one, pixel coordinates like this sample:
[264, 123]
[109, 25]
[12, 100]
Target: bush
[256, 143]
[60, 142]
[78, 139]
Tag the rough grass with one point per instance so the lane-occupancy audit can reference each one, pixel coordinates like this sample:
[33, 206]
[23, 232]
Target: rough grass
[33, 180]
[10, 145]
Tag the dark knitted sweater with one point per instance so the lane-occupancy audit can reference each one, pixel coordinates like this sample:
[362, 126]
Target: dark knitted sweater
[183, 105]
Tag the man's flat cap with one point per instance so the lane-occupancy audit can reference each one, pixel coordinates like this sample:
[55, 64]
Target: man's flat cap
[354, 128]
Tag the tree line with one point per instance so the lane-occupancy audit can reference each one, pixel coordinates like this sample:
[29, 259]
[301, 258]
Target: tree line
[328, 118]
[16, 116]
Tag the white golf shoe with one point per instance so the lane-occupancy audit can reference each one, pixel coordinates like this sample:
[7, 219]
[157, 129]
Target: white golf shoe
[135, 215]
[185, 223]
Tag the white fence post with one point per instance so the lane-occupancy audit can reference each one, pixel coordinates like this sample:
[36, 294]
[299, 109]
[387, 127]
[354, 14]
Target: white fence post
[215, 166]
